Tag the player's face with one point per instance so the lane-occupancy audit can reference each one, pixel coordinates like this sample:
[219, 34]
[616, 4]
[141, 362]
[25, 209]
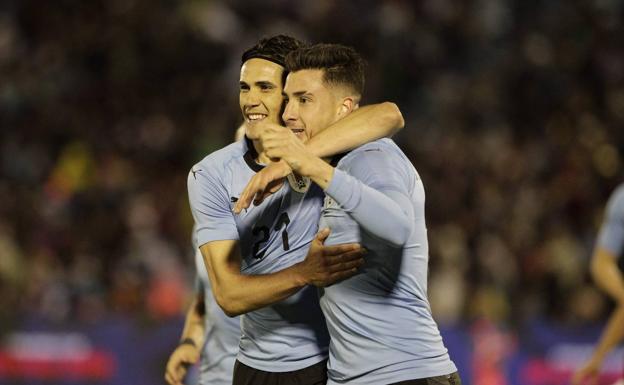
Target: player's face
[311, 105]
[260, 94]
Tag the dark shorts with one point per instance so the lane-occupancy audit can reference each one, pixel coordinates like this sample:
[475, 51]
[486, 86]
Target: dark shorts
[312, 375]
[449, 379]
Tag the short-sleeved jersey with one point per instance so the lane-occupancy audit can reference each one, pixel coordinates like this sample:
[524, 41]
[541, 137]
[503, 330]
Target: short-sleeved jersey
[291, 334]
[611, 236]
[216, 364]
[379, 320]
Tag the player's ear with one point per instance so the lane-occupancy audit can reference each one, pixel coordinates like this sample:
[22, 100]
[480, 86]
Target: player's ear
[347, 105]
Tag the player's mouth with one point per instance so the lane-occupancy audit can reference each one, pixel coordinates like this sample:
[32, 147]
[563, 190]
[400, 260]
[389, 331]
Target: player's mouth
[255, 117]
[297, 131]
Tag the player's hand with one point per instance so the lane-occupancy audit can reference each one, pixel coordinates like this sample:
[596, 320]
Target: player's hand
[325, 265]
[266, 182]
[181, 358]
[280, 142]
[588, 374]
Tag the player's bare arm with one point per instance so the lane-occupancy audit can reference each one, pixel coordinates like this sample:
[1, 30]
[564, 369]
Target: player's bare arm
[607, 274]
[607, 277]
[237, 293]
[611, 337]
[191, 341]
[363, 125]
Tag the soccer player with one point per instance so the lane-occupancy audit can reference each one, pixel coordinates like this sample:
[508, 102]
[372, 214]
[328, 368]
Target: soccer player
[269, 254]
[380, 323]
[609, 277]
[207, 330]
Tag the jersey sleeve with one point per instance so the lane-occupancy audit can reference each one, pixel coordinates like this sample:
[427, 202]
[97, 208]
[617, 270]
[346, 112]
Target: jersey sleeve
[373, 191]
[210, 206]
[611, 236]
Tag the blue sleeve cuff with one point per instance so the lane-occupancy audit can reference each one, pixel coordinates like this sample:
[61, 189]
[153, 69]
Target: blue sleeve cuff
[341, 189]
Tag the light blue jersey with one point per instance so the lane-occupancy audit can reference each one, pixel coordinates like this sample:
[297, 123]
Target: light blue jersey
[216, 364]
[380, 320]
[289, 335]
[611, 236]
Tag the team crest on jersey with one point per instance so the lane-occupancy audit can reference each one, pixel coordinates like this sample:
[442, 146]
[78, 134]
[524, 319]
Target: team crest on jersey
[299, 183]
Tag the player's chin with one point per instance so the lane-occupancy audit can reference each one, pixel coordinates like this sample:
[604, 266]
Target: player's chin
[252, 134]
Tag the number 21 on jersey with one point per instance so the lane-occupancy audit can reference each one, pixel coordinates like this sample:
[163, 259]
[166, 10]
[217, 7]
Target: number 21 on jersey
[263, 233]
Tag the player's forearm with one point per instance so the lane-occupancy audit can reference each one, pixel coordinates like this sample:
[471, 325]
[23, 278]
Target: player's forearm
[239, 294]
[363, 125]
[314, 168]
[194, 326]
[607, 274]
[612, 335]
[379, 213]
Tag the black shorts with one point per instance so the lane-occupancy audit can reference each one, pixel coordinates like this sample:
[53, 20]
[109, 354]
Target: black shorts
[448, 379]
[312, 375]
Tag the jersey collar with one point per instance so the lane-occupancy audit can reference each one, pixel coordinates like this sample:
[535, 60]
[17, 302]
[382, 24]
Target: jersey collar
[250, 156]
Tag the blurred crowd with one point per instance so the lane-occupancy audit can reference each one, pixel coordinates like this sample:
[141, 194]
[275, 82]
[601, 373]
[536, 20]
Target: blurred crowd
[514, 113]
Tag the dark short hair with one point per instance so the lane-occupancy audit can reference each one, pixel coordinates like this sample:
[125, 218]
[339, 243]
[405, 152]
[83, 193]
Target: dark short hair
[274, 49]
[342, 65]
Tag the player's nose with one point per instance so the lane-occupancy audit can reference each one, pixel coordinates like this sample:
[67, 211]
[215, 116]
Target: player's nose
[290, 112]
[250, 99]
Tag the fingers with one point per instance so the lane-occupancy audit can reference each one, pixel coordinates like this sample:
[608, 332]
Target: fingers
[270, 189]
[345, 261]
[261, 196]
[334, 250]
[348, 256]
[339, 276]
[322, 235]
[169, 378]
[347, 266]
[172, 375]
[261, 185]
[244, 200]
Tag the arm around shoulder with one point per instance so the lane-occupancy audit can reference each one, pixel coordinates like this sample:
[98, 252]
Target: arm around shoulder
[363, 125]
[392, 114]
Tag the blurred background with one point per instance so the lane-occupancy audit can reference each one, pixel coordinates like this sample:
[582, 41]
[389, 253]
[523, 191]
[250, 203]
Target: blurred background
[514, 118]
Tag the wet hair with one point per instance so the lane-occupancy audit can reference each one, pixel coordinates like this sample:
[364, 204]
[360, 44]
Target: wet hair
[273, 49]
[342, 65]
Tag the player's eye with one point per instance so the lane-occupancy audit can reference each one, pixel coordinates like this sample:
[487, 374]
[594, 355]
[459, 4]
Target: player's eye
[266, 87]
[244, 87]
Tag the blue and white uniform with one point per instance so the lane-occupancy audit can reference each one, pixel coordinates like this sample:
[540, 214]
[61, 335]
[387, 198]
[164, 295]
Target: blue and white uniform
[380, 320]
[611, 236]
[291, 334]
[216, 363]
